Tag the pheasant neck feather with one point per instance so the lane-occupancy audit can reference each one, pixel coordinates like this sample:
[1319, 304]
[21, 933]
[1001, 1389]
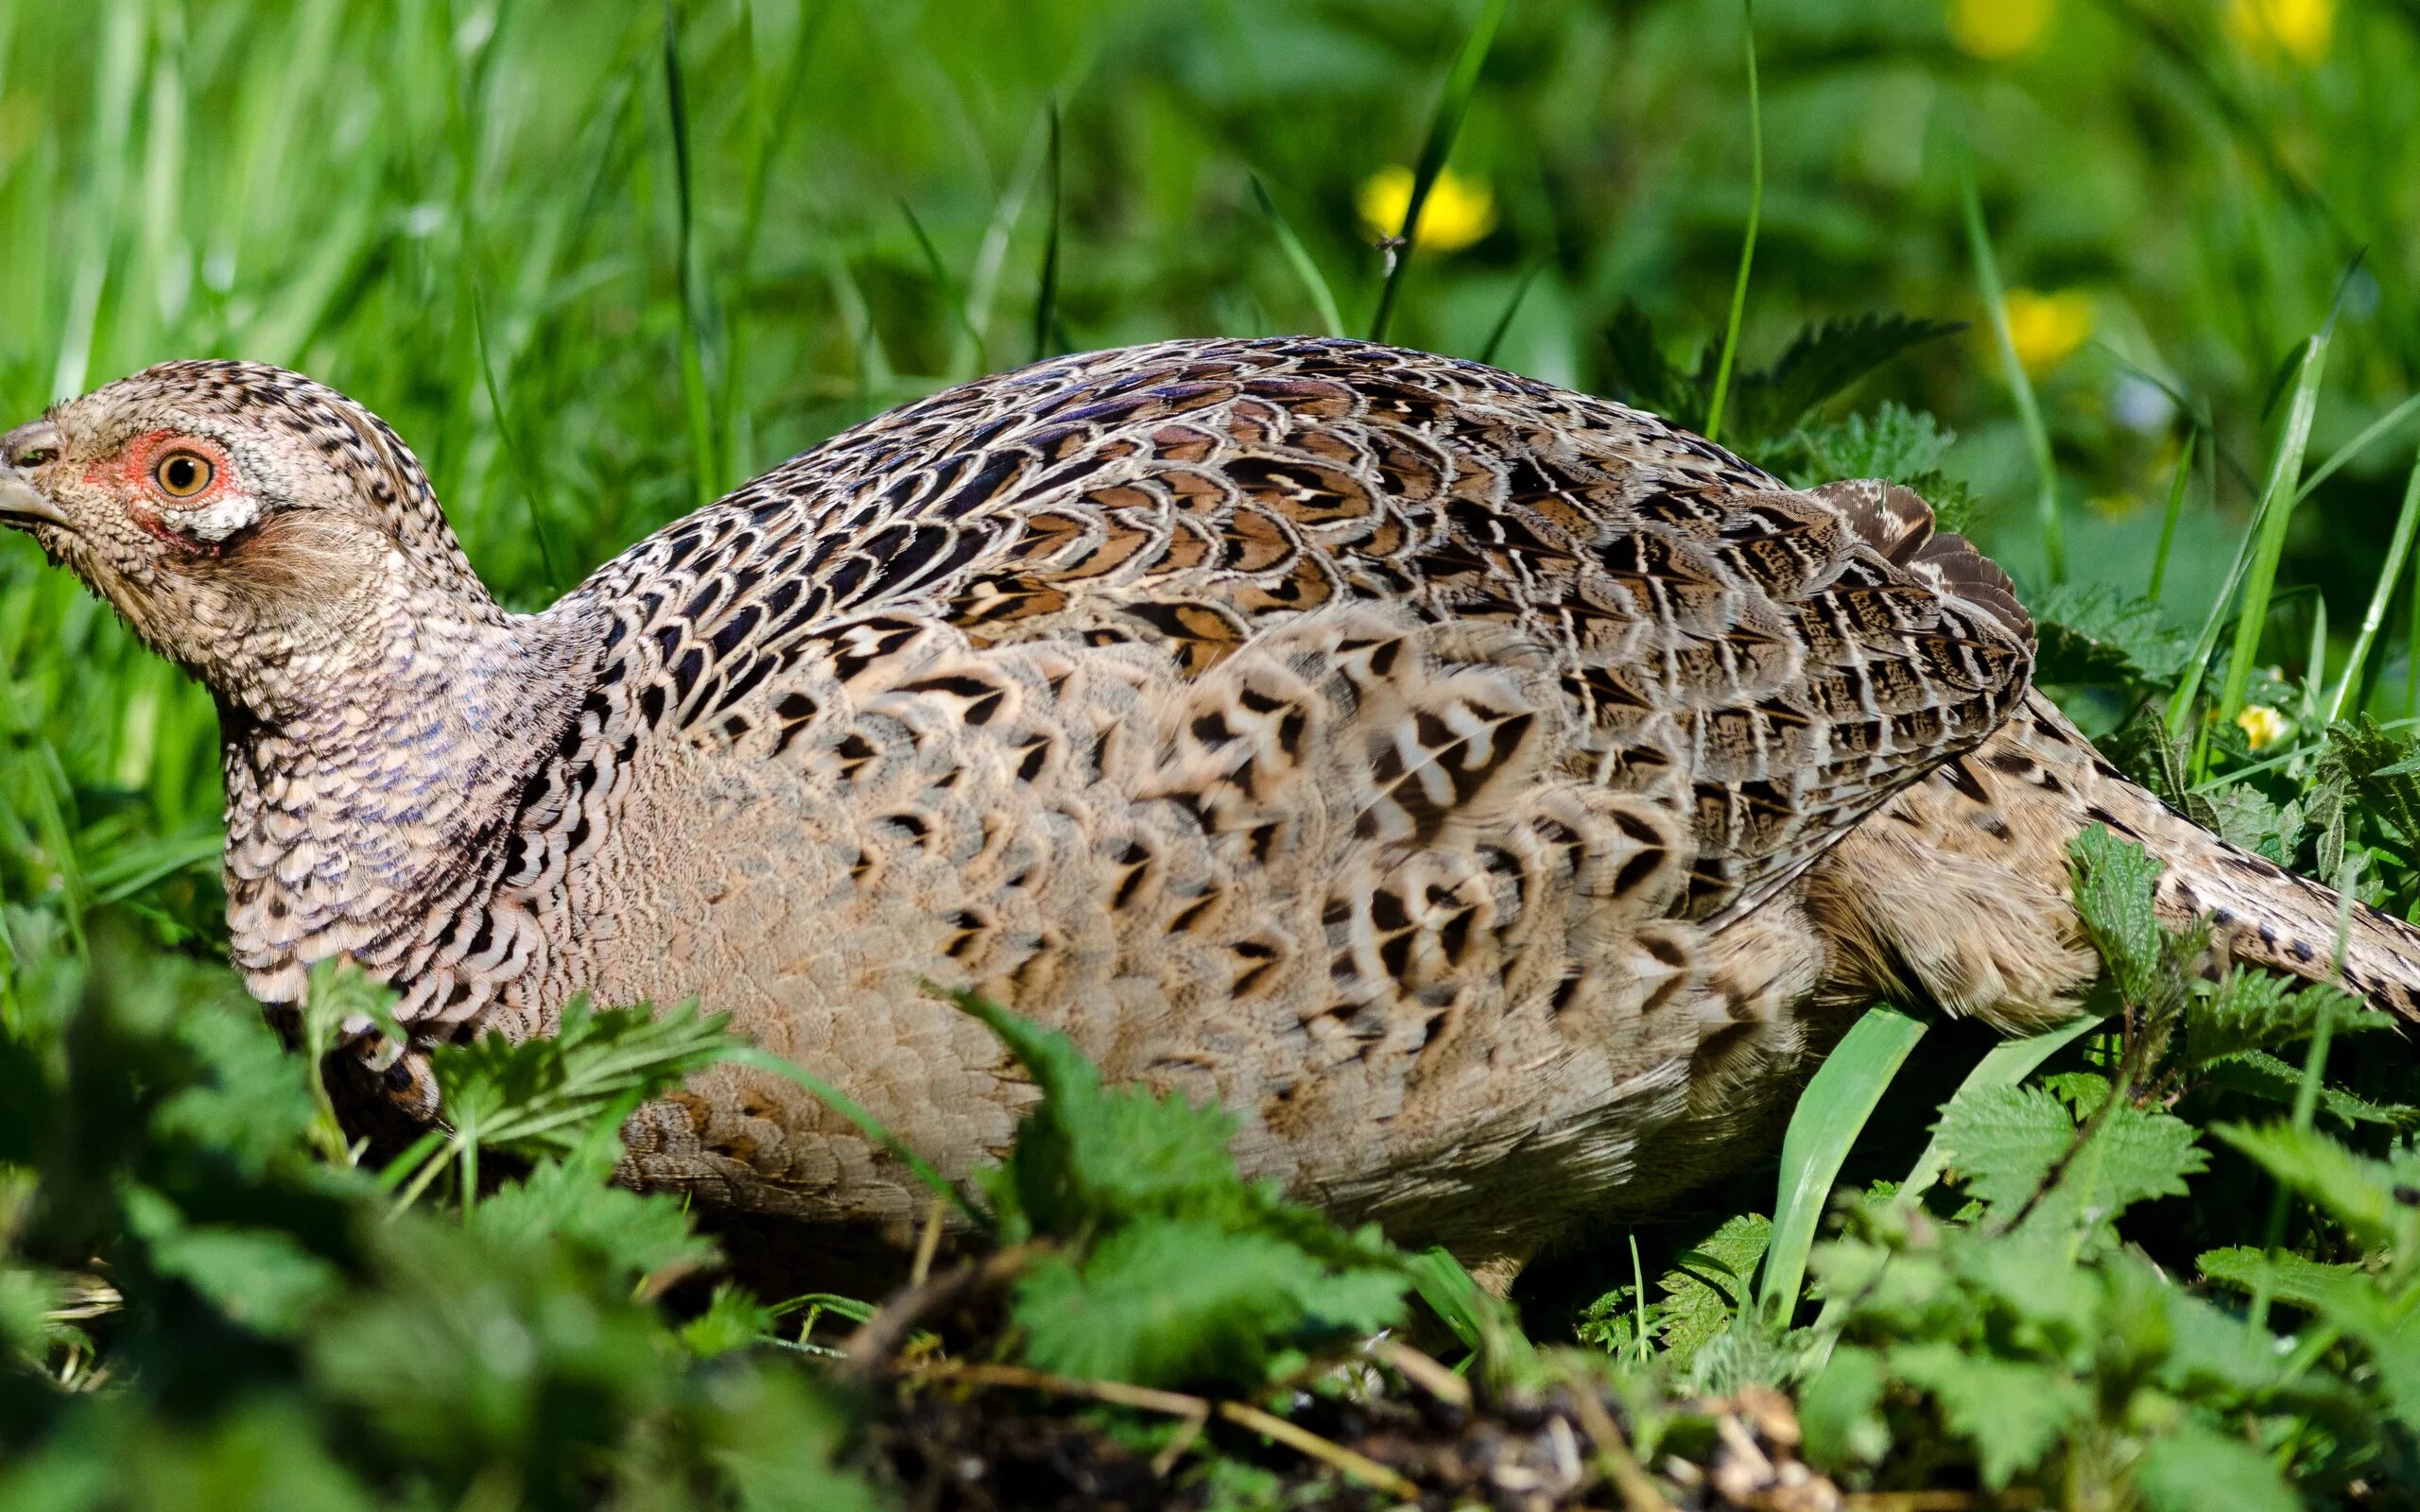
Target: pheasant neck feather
[373, 792]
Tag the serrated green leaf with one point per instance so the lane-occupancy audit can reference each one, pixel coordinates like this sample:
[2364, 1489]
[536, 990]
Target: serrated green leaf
[2007, 1141]
[1838, 1411]
[2193, 1469]
[1821, 362]
[262, 1277]
[2288, 1276]
[2380, 770]
[2356, 1191]
[542, 1095]
[1169, 1302]
[1696, 1298]
[2133, 1155]
[2389, 1327]
[1893, 442]
[2012, 1410]
[2003, 1141]
[2252, 1009]
[2258, 1074]
[2114, 883]
[2091, 633]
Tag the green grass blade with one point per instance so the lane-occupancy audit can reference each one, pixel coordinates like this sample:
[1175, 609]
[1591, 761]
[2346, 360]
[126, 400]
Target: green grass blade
[2356, 445]
[1443, 126]
[1045, 299]
[1831, 1113]
[525, 466]
[951, 298]
[2175, 506]
[2008, 1062]
[2275, 510]
[1748, 241]
[1484, 1325]
[2389, 577]
[1511, 308]
[2028, 412]
[1305, 267]
[697, 397]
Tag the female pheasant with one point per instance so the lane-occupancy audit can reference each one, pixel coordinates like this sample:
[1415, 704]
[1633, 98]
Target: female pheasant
[1493, 794]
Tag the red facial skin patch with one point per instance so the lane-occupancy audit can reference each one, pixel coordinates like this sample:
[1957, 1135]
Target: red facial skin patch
[149, 507]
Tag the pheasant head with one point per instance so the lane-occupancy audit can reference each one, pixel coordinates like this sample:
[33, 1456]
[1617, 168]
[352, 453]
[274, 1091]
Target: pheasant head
[256, 527]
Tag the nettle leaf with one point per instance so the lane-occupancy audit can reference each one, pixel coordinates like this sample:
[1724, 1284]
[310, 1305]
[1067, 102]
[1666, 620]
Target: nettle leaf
[2034, 1277]
[2013, 1411]
[1892, 441]
[2380, 770]
[1174, 1301]
[2194, 1470]
[2252, 1009]
[1088, 1156]
[2091, 633]
[2007, 1141]
[2389, 1327]
[540, 1096]
[262, 1279]
[2291, 1278]
[2132, 1156]
[1642, 372]
[1696, 1297]
[2362, 1194]
[2258, 1074]
[2114, 883]
[2003, 1141]
[2246, 816]
[1821, 363]
[1839, 1411]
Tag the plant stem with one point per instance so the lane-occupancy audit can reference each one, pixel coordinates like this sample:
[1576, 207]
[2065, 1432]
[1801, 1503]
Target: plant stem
[1747, 242]
[2029, 413]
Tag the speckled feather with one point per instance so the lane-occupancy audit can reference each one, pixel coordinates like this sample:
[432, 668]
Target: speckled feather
[1493, 794]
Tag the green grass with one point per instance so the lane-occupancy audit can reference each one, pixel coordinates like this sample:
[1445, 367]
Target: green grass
[598, 262]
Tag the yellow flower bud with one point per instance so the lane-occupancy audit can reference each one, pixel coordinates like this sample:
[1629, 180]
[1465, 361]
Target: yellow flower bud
[1998, 28]
[1457, 212]
[2045, 328]
[2263, 725]
[2300, 30]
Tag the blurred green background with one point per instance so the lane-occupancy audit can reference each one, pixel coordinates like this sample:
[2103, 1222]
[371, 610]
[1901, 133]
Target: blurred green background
[599, 261]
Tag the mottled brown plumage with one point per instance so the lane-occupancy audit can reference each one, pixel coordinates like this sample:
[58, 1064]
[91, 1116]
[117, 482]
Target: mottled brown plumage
[1493, 794]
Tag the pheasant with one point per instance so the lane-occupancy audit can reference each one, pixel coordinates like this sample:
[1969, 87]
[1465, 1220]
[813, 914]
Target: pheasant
[1495, 796]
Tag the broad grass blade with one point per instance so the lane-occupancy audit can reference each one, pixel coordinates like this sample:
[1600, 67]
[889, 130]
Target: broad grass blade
[1830, 1115]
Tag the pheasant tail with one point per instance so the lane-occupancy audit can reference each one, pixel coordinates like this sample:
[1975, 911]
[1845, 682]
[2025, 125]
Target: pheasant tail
[1958, 892]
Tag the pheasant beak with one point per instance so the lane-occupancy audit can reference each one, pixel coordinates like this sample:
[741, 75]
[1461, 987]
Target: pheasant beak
[21, 503]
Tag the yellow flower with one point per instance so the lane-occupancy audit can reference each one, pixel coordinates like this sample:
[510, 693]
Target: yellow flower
[2044, 328]
[2300, 28]
[2263, 725]
[1998, 28]
[1457, 212]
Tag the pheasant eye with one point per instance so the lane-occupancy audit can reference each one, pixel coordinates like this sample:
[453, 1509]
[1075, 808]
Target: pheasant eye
[182, 474]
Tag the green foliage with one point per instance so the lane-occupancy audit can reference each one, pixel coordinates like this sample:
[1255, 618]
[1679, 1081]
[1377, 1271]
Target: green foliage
[275, 1328]
[1821, 363]
[1695, 1300]
[2092, 633]
[2011, 1325]
[1166, 1267]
